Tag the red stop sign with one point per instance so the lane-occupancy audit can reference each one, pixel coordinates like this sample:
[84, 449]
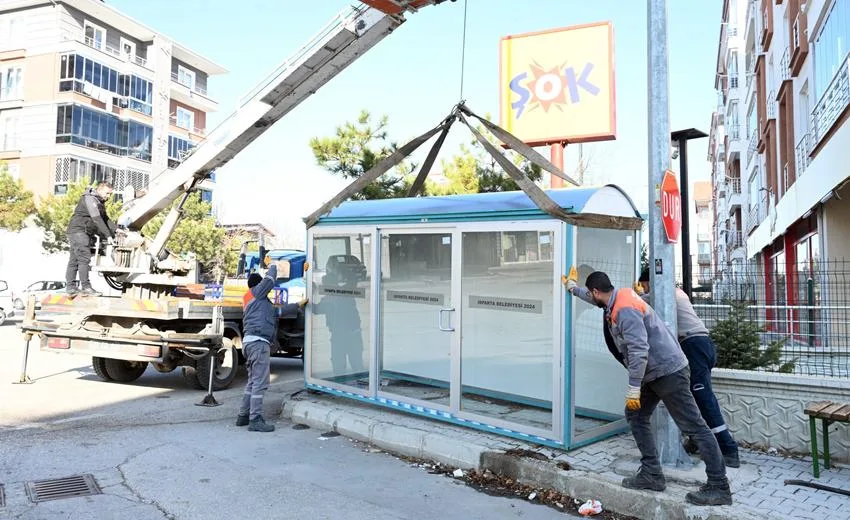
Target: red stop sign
[671, 207]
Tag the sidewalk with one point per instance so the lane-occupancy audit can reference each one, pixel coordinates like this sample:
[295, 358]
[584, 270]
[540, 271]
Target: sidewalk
[595, 471]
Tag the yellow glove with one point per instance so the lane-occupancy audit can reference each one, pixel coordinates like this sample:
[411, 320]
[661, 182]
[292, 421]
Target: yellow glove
[633, 398]
[570, 281]
[303, 303]
[267, 261]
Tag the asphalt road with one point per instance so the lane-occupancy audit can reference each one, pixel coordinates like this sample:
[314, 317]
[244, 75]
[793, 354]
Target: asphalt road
[154, 454]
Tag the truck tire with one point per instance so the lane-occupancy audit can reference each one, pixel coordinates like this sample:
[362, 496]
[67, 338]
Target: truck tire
[226, 367]
[125, 371]
[190, 375]
[99, 365]
[2, 317]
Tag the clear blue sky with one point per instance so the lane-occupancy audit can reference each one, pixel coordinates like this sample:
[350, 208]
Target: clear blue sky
[413, 77]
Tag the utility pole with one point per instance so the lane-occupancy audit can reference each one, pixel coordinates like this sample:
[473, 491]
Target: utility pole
[662, 265]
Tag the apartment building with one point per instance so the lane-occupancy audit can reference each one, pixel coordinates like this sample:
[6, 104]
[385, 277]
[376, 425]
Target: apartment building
[701, 241]
[89, 93]
[780, 140]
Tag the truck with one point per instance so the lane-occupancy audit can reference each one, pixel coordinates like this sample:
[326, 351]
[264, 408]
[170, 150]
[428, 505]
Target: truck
[161, 316]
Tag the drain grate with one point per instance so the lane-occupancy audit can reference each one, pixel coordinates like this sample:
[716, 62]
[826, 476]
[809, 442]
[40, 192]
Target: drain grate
[2, 496]
[58, 488]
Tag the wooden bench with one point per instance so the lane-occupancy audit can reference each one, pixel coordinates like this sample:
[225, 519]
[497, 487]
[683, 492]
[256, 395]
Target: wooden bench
[829, 412]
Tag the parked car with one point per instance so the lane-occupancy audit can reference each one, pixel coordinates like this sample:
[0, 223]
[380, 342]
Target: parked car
[40, 289]
[7, 307]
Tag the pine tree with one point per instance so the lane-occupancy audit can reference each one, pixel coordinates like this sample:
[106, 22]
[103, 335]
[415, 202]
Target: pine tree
[738, 343]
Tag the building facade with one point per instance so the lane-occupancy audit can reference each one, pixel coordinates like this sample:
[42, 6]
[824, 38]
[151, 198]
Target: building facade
[780, 145]
[702, 223]
[89, 93]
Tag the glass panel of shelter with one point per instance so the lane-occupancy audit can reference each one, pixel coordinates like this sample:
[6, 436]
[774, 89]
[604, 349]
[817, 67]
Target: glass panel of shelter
[341, 310]
[599, 381]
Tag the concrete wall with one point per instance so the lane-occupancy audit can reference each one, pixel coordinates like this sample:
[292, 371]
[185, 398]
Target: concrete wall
[766, 409]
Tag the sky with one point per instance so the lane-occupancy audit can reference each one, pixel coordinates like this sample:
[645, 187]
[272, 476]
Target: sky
[413, 77]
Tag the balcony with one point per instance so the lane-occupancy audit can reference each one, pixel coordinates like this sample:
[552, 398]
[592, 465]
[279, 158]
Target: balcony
[733, 131]
[832, 104]
[194, 130]
[785, 65]
[753, 145]
[733, 194]
[756, 214]
[190, 93]
[801, 155]
[799, 43]
[79, 36]
[704, 259]
[733, 80]
[734, 240]
[771, 105]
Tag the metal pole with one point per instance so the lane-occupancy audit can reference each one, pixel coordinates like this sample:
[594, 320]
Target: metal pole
[687, 275]
[556, 154]
[661, 254]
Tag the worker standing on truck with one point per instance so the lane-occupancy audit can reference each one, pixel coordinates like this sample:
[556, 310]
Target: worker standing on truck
[658, 372]
[259, 324]
[88, 221]
[702, 355]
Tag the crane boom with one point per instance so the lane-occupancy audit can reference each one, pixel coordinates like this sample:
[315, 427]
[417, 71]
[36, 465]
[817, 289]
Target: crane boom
[349, 35]
[141, 262]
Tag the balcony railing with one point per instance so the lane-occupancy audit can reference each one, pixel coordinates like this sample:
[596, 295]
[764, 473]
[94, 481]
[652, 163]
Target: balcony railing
[191, 85]
[771, 105]
[194, 130]
[734, 240]
[733, 80]
[833, 102]
[757, 214]
[79, 36]
[11, 93]
[785, 178]
[704, 258]
[731, 30]
[8, 142]
[734, 184]
[753, 146]
[785, 65]
[733, 131]
[801, 155]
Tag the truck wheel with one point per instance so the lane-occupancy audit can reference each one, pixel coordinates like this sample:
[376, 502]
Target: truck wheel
[190, 375]
[125, 371]
[2, 317]
[226, 366]
[99, 365]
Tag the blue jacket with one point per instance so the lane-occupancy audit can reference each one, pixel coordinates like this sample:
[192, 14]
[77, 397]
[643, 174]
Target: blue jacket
[259, 318]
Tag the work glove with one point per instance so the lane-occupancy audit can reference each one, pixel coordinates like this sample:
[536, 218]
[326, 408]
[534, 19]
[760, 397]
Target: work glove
[633, 398]
[570, 281]
[303, 303]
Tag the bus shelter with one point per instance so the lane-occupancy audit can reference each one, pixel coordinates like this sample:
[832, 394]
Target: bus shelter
[453, 308]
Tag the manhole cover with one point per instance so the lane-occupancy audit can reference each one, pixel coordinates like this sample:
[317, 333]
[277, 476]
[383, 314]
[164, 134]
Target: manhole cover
[58, 488]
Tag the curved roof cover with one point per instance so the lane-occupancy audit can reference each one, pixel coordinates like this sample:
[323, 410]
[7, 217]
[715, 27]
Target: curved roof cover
[605, 206]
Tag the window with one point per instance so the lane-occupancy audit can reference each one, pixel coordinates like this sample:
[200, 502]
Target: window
[185, 77]
[103, 131]
[128, 49]
[11, 83]
[185, 119]
[752, 120]
[70, 170]
[177, 150]
[8, 132]
[95, 35]
[831, 45]
[80, 74]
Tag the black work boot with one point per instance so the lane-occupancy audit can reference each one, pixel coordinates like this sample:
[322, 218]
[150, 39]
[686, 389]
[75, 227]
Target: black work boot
[644, 480]
[732, 460]
[241, 420]
[259, 425]
[711, 495]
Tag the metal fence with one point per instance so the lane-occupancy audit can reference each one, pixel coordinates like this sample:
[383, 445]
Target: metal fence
[804, 307]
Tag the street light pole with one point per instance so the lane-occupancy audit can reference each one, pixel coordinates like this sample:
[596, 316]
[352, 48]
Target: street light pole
[661, 252]
[682, 137]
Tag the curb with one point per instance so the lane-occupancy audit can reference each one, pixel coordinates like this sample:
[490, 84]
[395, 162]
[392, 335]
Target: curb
[490, 455]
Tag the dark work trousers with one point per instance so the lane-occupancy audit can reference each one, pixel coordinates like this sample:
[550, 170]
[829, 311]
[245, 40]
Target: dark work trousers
[347, 351]
[675, 391]
[79, 258]
[702, 355]
[257, 360]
